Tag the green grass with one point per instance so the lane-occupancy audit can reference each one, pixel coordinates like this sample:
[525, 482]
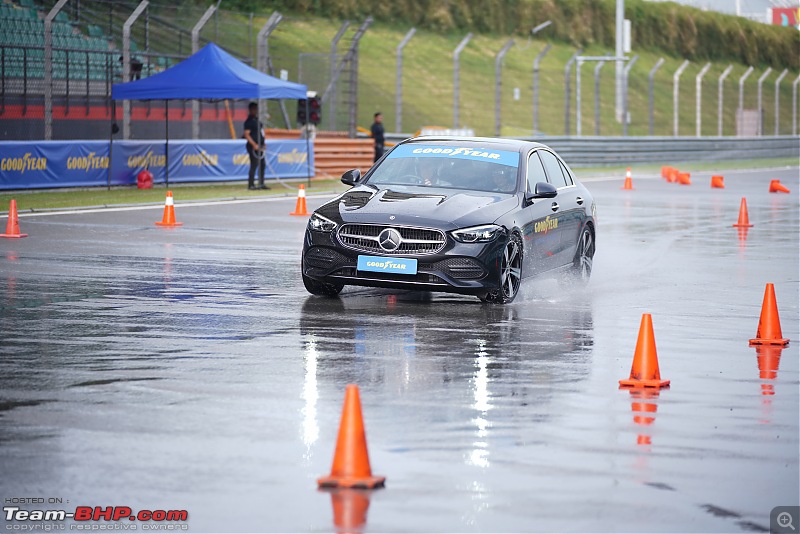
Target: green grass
[120, 196]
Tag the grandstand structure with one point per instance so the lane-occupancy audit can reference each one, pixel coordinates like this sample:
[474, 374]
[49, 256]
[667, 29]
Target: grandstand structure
[86, 61]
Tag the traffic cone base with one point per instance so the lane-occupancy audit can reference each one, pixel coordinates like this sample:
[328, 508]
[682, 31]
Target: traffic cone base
[12, 226]
[644, 371]
[769, 324]
[684, 178]
[300, 207]
[744, 220]
[169, 213]
[351, 467]
[775, 186]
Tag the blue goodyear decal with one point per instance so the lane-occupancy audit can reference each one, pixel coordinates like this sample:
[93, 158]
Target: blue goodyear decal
[503, 157]
[380, 264]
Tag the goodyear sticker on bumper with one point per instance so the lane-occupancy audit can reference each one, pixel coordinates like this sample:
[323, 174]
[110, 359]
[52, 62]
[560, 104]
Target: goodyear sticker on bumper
[379, 264]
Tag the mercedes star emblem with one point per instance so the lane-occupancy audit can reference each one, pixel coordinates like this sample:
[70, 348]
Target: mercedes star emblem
[389, 239]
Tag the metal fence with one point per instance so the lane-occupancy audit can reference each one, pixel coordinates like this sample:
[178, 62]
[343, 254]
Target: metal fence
[659, 97]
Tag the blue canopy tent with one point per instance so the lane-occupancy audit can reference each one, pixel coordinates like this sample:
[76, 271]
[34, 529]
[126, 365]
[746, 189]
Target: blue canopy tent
[210, 74]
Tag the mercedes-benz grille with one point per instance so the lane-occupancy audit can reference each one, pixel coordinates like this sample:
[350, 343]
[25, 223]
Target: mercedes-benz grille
[391, 239]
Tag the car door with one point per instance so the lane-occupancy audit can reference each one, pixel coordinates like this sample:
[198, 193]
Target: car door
[540, 225]
[574, 206]
[564, 208]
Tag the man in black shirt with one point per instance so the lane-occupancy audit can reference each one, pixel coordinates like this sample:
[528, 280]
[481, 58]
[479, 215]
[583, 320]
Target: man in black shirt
[377, 135]
[253, 132]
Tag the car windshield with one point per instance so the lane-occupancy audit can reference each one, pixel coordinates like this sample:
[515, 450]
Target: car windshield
[449, 166]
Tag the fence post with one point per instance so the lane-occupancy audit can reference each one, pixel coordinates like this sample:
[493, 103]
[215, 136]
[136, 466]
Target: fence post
[778, 100]
[597, 96]
[498, 66]
[626, 71]
[720, 98]
[760, 109]
[457, 77]
[332, 98]
[567, 96]
[650, 96]
[675, 84]
[578, 118]
[536, 62]
[195, 47]
[48, 69]
[398, 98]
[741, 87]
[698, 81]
[794, 105]
[126, 65]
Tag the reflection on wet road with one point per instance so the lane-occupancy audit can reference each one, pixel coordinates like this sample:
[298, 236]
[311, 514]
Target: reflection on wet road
[188, 369]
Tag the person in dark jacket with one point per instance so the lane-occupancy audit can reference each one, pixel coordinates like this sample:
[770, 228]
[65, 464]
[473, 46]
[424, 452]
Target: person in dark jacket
[254, 133]
[377, 135]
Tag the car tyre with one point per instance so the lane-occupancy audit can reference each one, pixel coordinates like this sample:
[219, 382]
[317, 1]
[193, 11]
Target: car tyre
[315, 287]
[510, 273]
[581, 269]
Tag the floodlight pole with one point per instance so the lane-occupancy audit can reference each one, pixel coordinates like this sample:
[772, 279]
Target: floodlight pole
[720, 97]
[627, 70]
[778, 100]
[398, 97]
[457, 76]
[675, 90]
[48, 69]
[698, 82]
[195, 47]
[498, 67]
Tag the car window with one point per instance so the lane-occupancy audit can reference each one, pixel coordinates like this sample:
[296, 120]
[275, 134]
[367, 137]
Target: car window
[535, 172]
[553, 168]
[567, 174]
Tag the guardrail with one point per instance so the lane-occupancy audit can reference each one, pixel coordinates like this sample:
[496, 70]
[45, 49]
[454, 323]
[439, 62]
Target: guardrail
[586, 151]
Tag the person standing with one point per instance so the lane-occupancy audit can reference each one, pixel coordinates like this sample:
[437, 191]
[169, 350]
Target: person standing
[256, 148]
[377, 135]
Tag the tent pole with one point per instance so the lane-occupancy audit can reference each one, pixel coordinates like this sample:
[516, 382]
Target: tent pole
[166, 149]
[308, 147]
[113, 113]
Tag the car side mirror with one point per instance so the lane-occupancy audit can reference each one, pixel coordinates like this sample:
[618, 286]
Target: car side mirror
[542, 190]
[351, 177]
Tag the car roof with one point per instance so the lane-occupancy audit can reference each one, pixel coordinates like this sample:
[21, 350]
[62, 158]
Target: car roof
[501, 144]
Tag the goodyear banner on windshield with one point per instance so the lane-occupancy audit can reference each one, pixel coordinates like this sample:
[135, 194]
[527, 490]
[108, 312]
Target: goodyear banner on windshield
[50, 164]
[503, 157]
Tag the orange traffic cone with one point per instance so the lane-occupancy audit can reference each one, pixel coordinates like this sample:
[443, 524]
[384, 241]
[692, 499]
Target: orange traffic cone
[300, 207]
[349, 508]
[744, 220]
[717, 182]
[628, 181]
[684, 178]
[644, 371]
[169, 213]
[12, 226]
[351, 460]
[769, 325]
[775, 186]
[672, 175]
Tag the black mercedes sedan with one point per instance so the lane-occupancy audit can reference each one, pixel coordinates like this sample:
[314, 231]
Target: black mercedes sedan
[461, 215]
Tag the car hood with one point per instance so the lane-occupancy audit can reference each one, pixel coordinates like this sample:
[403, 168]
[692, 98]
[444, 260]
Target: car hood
[447, 209]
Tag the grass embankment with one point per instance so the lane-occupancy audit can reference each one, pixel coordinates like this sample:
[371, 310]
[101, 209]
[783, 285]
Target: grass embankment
[428, 82]
[89, 198]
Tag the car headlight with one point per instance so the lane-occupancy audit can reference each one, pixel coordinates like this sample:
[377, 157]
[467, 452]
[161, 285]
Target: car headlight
[321, 224]
[477, 234]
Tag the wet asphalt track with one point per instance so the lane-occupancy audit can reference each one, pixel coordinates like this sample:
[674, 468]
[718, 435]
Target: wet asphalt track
[188, 369]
